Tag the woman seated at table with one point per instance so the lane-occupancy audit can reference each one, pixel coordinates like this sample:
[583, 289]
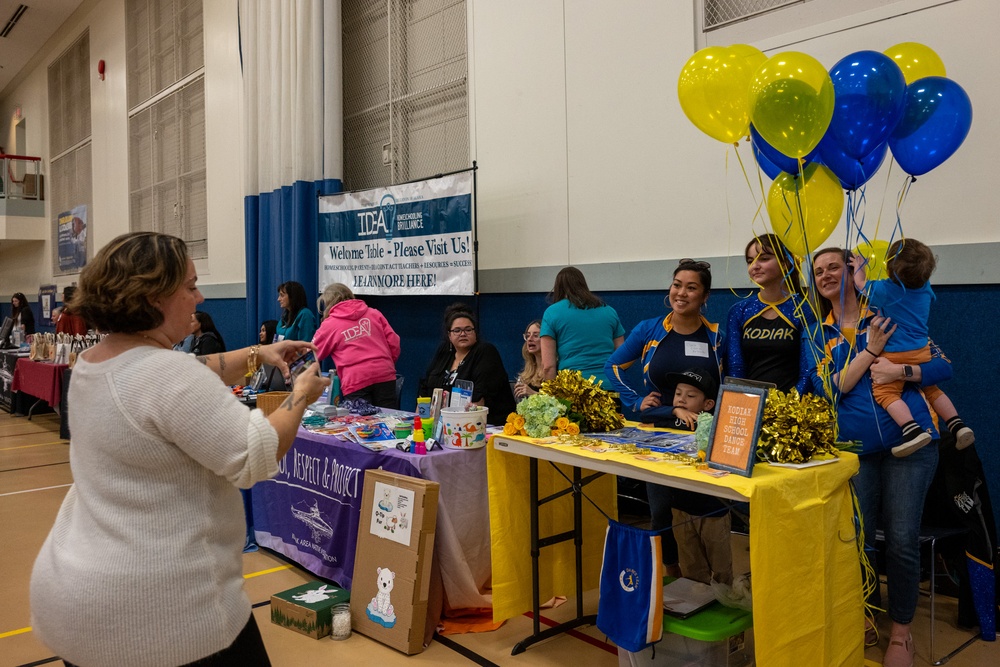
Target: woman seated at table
[462, 356]
[297, 321]
[268, 329]
[531, 377]
[67, 321]
[207, 338]
[683, 340]
[363, 346]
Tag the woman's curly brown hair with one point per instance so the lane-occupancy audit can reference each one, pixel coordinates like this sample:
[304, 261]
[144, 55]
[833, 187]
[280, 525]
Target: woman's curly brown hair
[119, 286]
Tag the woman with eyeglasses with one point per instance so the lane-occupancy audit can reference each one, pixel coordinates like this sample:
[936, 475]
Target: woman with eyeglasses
[463, 356]
[530, 379]
[683, 340]
[579, 331]
[765, 331]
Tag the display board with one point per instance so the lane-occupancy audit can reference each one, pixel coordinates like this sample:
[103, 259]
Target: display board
[408, 239]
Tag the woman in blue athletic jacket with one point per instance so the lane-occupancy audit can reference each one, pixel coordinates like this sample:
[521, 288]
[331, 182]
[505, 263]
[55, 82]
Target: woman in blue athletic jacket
[764, 332]
[848, 345]
[683, 340]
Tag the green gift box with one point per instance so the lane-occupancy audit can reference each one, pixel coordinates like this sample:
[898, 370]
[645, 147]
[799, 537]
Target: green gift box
[307, 608]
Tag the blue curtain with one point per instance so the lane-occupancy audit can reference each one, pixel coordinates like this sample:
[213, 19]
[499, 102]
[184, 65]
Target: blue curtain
[282, 245]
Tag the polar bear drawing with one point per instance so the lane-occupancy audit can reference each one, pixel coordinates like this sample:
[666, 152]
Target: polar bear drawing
[380, 608]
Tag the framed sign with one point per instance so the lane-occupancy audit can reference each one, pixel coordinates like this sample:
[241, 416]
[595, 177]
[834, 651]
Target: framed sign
[733, 441]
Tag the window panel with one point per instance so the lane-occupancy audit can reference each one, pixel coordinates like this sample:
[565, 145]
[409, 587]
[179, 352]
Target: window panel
[167, 191]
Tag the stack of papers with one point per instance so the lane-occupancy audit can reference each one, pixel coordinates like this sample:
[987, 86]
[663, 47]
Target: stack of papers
[684, 597]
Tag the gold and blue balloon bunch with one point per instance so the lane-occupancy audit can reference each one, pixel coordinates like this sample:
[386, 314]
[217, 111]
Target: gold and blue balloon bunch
[816, 132]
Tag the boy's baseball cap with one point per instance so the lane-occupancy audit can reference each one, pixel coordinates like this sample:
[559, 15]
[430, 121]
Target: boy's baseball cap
[695, 377]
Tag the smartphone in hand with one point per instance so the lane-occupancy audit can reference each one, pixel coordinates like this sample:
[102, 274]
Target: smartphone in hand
[300, 364]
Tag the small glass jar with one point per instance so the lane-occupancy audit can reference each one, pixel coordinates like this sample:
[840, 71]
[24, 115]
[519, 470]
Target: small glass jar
[340, 617]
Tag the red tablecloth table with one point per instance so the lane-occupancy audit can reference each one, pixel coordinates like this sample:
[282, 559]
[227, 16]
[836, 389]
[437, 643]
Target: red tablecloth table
[40, 379]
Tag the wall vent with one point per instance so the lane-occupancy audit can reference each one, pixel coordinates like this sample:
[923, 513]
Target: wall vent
[14, 18]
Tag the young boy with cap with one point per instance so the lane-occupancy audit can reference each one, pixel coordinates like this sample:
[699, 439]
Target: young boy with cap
[701, 523]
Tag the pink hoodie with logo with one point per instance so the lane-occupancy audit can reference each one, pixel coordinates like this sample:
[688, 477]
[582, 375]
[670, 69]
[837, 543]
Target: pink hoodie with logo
[362, 344]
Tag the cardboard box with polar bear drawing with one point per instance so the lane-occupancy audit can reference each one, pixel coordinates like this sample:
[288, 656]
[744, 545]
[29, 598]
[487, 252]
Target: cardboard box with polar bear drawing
[392, 565]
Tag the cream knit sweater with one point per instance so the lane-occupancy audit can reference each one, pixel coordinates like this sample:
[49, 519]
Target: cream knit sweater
[143, 565]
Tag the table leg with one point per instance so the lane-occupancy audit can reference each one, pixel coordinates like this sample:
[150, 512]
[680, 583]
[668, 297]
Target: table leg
[538, 542]
[33, 406]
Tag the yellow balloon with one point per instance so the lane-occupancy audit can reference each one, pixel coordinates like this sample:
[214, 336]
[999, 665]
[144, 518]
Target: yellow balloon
[791, 102]
[916, 60]
[751, 54]
[876, 254]
[712, 89]
[804, 210]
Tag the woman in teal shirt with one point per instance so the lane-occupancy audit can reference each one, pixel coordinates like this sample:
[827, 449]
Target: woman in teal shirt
[579, 331]
[297, 321]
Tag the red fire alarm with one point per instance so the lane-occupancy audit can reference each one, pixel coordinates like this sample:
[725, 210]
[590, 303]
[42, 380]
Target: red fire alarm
[100, 69]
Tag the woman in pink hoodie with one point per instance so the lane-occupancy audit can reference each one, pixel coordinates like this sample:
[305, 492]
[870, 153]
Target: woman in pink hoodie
[363, 346]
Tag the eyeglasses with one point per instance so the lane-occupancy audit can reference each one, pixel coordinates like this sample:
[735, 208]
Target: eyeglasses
[530, 336]
[464, 331]
[701, 266]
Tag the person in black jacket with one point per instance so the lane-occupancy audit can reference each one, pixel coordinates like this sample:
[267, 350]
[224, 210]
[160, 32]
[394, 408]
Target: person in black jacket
[207, 339]
[21, 313]
[463, 356]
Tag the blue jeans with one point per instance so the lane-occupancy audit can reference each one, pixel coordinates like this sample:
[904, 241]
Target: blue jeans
[899, 487]
[662, 519]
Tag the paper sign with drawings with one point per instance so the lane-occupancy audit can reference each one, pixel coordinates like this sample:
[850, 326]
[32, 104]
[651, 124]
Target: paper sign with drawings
[391, 513]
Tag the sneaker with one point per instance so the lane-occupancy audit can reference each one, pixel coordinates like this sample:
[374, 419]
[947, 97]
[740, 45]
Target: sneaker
[964, 437]
[913, 443]
[899, 653]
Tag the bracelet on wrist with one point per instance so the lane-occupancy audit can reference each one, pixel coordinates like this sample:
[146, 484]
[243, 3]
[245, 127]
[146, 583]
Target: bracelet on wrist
[868, 350]
[253, 360]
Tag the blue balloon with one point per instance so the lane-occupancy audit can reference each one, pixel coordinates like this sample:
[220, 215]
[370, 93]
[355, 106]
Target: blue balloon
[853, 173]
[935, 122]
[774, 156]
[870, 94]
[769, 168]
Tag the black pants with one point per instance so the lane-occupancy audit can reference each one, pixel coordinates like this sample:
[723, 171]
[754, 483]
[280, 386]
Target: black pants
[247, 650]
[380, 394]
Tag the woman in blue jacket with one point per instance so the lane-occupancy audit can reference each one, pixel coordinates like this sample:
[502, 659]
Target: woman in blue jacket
[765, 331]
[848, 346]
[683, 340]
[297, 322]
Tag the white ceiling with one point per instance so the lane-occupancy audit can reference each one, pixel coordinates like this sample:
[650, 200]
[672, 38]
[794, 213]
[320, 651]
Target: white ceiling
[33, 30]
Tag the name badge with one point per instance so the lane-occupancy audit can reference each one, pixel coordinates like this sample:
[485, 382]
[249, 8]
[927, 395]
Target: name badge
[695, 349]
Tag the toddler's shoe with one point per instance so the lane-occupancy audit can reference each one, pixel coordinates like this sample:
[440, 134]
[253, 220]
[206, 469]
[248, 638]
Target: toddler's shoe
[913, 439]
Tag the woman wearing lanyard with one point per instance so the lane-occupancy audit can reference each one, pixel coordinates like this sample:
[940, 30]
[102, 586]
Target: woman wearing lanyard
[462, 356]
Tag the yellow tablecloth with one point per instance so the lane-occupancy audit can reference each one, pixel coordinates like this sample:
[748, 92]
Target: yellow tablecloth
[803, 558]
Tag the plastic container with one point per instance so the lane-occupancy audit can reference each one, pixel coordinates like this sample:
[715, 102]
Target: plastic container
[424, 407]
[716, 637]
[463, 430]
[340, 621]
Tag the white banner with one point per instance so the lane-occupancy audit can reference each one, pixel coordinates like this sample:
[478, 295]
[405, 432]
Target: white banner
[414, 238]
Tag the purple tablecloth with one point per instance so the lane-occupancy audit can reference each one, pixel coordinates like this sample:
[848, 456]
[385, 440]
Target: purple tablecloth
[310, 510]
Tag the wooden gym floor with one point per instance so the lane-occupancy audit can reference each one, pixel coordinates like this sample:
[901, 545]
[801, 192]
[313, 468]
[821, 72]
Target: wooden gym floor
[34, 478]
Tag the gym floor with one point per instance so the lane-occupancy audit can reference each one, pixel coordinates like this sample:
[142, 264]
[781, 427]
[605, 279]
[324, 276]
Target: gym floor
[34, 478]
